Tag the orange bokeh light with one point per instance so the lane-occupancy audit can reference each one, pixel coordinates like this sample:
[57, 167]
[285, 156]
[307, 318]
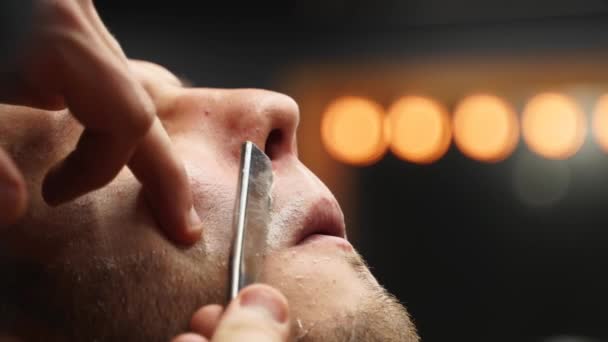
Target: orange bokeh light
[485, 128]
[554, 126]
[600, 122]
[352, 130]
[418, 129]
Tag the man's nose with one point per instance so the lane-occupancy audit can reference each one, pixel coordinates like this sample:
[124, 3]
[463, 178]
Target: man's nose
[266, 118]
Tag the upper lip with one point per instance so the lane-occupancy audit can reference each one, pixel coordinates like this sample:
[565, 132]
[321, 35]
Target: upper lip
[322, 217]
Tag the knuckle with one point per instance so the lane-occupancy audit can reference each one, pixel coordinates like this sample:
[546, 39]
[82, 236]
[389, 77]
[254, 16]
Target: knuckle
[63, 13]
[140, 122]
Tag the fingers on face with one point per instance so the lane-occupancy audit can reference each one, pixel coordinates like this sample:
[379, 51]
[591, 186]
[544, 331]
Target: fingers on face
[206, 320]
[166, 186]
[13, 194]
[259, 314]
[97, 87]
[91, 13]
[95, 162]
[120, 127]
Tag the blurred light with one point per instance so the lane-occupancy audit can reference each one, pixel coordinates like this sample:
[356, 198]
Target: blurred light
[553, 125]
[352, 130]
[418, 129]
[485, 128]
[539, 182]
[600, 122]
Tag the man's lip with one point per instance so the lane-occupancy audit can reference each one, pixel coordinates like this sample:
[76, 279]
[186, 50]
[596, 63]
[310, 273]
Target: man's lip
[322, 239]
[324, 217]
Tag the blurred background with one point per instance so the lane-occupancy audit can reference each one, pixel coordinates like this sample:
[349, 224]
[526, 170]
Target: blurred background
[467, 141]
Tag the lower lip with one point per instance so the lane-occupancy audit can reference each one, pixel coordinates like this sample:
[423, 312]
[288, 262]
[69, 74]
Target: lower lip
[318, 239]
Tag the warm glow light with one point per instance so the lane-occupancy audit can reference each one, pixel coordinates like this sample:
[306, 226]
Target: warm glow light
[553, 126]
[352, 130]
[485, 128]
[600, 122]
[418, 129]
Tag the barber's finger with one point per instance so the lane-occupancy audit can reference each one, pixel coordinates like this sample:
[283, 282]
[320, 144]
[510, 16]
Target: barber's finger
[116, 112]
[166, 186]
[13, 193]
[206, 319]
[92, 76]
[89, 10]
[190, 337]
[259, 314]
[118, 115]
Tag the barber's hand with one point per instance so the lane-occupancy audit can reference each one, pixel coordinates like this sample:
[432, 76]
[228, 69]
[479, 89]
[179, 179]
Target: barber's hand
[71, 60]
[258, 314]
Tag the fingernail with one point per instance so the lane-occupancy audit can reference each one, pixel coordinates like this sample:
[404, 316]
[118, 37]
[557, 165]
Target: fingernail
[266, 301]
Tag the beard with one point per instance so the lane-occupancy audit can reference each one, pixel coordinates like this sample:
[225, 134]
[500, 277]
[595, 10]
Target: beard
[119, 300]
[380, 317]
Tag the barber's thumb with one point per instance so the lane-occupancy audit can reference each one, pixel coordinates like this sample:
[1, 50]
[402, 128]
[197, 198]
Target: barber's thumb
[258, 314]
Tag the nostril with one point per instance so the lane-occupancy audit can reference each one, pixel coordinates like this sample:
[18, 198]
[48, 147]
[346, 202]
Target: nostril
[274, 143]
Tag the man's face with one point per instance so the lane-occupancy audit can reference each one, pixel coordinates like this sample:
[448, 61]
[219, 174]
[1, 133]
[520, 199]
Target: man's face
[99, 267]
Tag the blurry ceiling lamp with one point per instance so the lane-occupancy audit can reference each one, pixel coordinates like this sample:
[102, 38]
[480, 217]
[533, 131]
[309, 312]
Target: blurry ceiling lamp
[352, 130]
[553, 126]
[418, 129]
[600, 122]
[485, 128]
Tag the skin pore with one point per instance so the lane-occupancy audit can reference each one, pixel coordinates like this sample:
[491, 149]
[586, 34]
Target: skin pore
[99, 268]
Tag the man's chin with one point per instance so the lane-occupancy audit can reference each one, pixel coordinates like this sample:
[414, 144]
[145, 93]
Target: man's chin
[334, 297]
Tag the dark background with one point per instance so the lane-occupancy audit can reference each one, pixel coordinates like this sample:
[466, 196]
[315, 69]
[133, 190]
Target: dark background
[451, 240]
